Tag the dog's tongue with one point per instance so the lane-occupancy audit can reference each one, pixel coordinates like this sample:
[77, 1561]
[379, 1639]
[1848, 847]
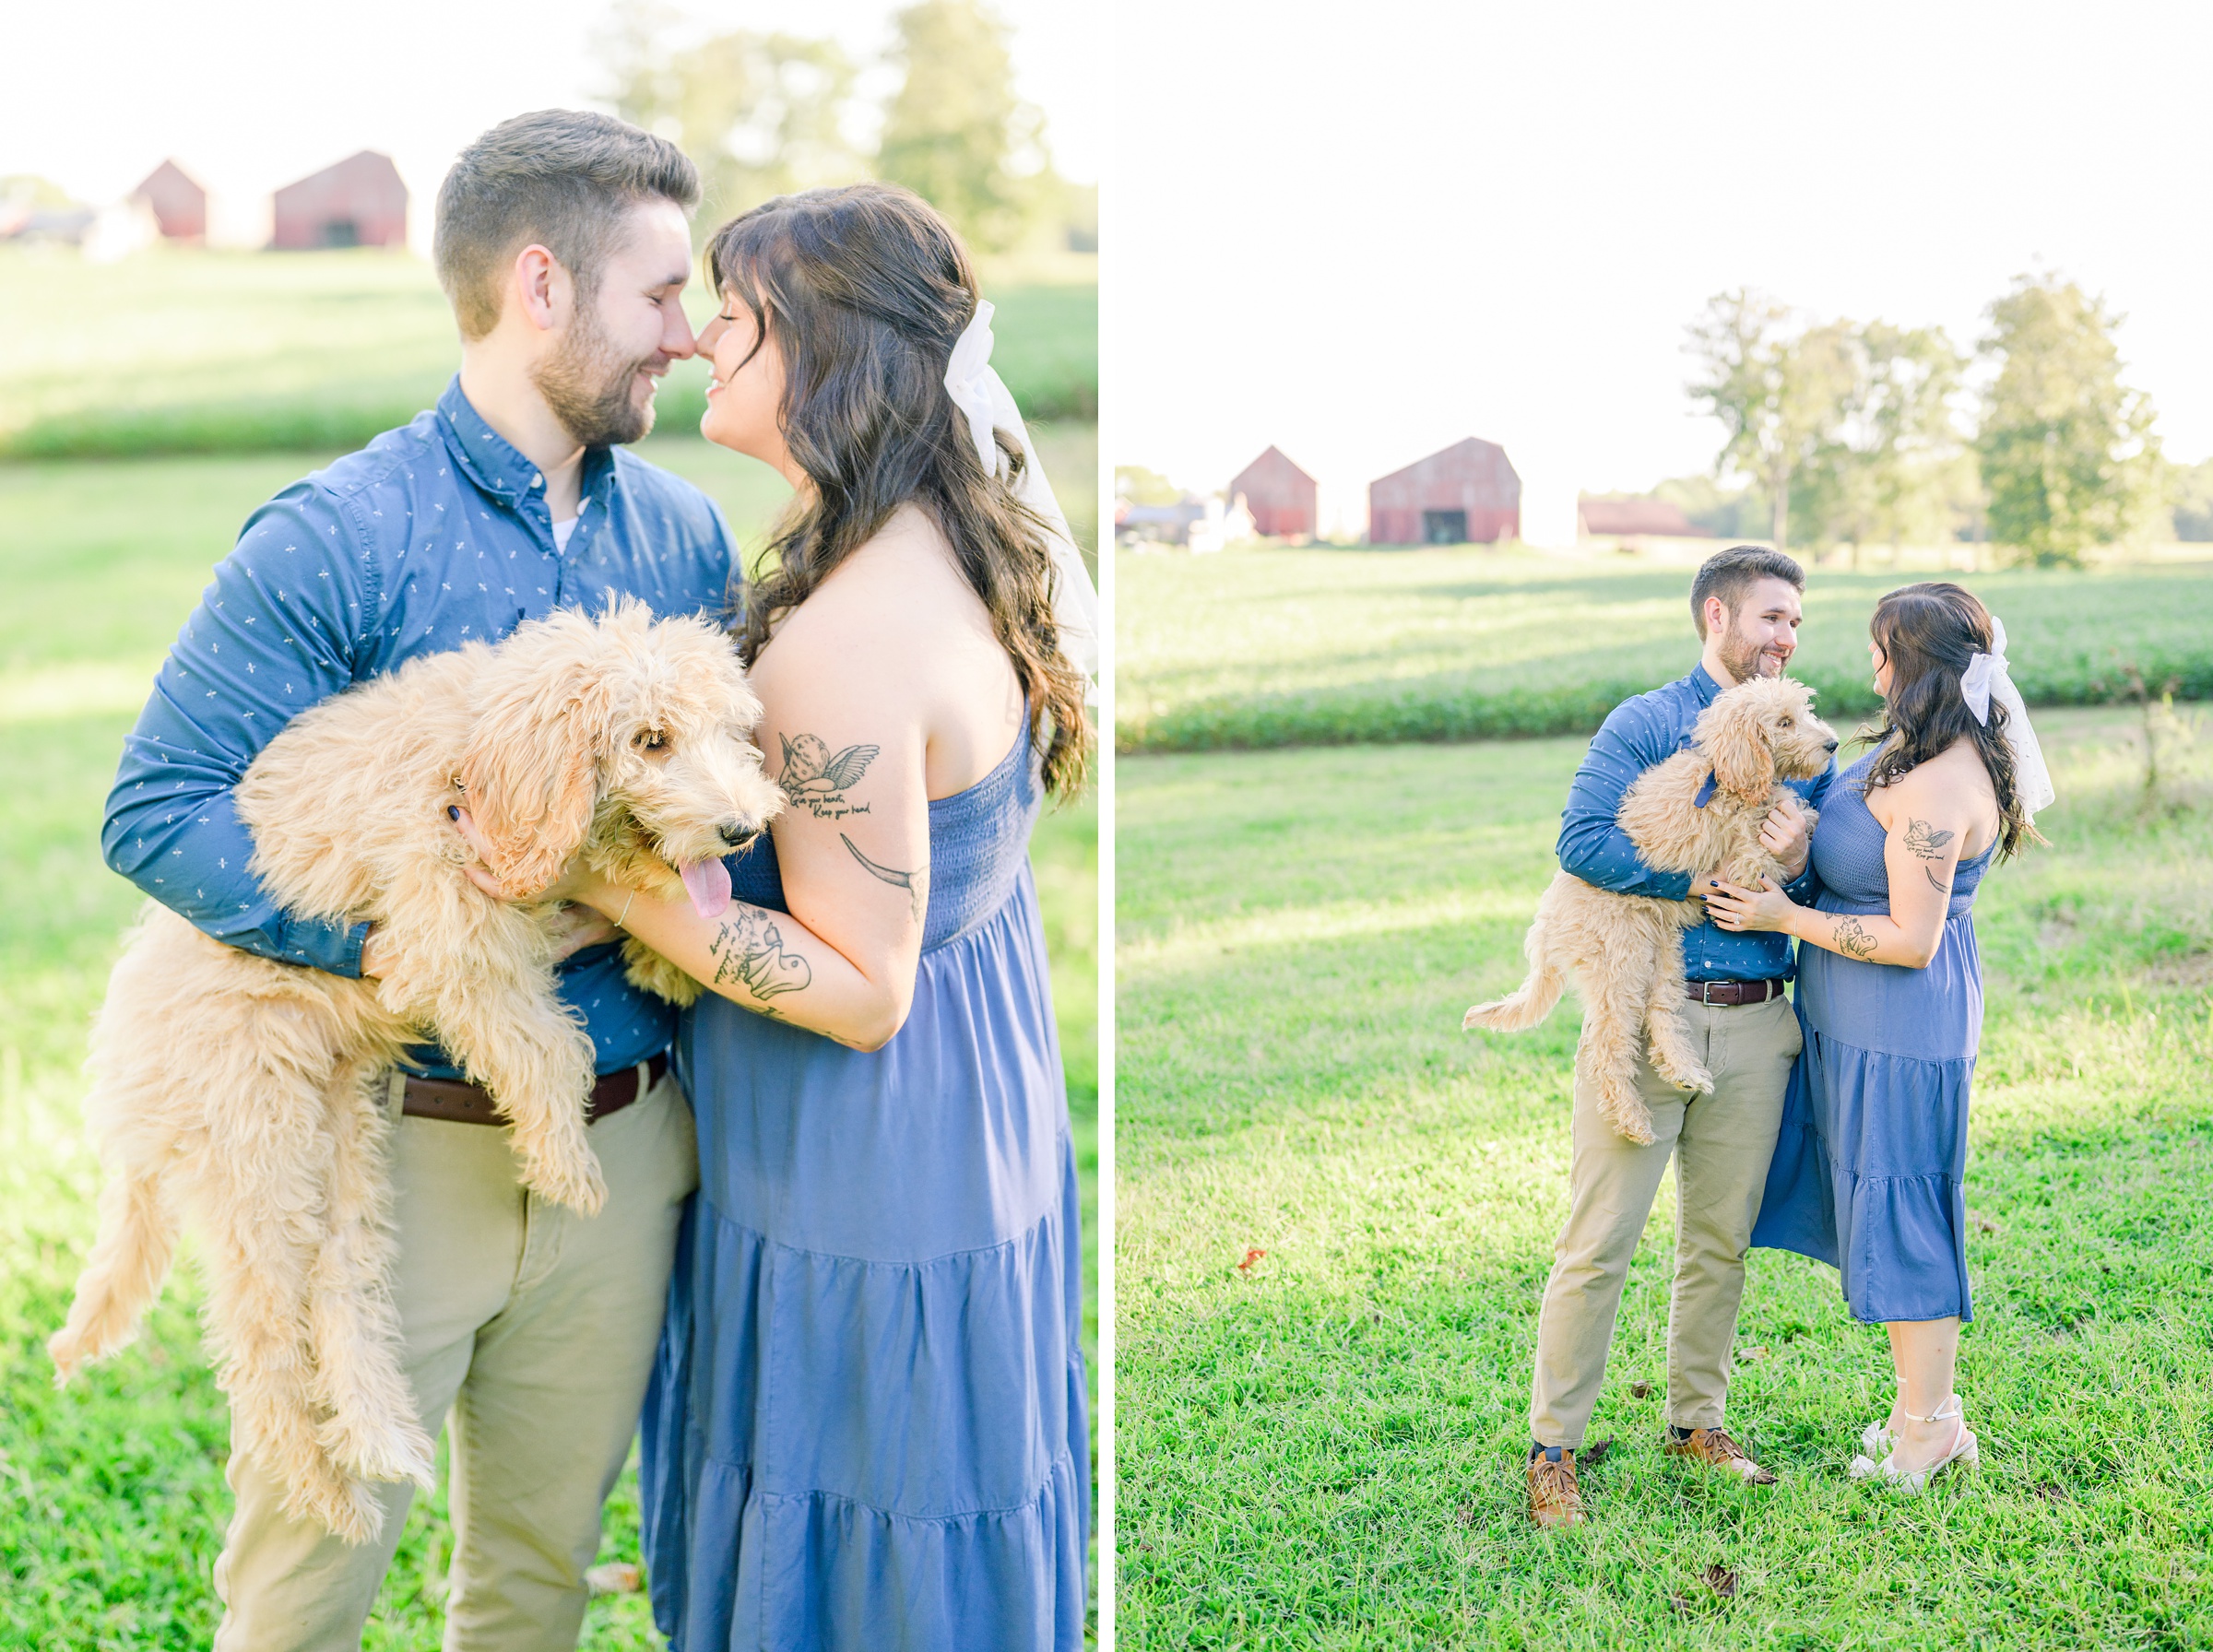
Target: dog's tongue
[708, 884]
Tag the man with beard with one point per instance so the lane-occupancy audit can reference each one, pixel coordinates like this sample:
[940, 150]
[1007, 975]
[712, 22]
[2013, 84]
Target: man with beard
[562, 242]
[1746, 601]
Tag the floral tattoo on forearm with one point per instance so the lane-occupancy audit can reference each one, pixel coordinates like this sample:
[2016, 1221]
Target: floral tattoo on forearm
[1853, 939]
[749, 949]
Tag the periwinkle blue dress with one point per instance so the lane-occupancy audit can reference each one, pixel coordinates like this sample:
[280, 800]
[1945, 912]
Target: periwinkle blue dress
[867, 1428]
[1868, 1167]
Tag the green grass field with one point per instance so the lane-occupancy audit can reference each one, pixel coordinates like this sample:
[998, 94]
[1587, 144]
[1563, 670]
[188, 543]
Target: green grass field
[189, 351]
[1279, 647]
[1324, 1450]
[111, 1501]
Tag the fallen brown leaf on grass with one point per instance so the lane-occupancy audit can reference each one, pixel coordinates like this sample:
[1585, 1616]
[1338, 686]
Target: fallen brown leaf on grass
[616, 1578]
[1982, 1223]
[1721, 1580]
[1640, 1389]
[1252, 1256]
[1590, 1456]
[1756, 1353]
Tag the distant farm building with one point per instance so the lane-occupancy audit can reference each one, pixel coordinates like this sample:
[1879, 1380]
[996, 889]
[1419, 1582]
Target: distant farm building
[357, 202]
[1280, 496]
[1469, 493]
[179, 205]
[1635, 519]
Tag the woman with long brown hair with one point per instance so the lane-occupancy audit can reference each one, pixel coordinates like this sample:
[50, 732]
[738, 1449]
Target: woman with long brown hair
[868, 1424]
[1869, 1165]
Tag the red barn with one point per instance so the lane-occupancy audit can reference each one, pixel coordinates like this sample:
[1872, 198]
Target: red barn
[1469, 493]
[1280, 496]
[179, 206]
[357, 202]
[1634, 517]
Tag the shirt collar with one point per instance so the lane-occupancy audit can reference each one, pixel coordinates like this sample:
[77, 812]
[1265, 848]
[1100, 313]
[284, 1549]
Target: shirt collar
[1703, 685]
[498, 466]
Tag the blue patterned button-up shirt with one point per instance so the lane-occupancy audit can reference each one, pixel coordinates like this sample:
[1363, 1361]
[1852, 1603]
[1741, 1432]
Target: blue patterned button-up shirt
[1640, 732]
[434, 535]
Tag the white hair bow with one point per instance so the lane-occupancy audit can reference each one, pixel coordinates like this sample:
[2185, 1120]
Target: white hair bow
[1986, 678]
[988, 405]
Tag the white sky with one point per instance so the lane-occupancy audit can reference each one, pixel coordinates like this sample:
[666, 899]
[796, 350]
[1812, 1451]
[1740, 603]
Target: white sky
[1362, 232]
[250, 94]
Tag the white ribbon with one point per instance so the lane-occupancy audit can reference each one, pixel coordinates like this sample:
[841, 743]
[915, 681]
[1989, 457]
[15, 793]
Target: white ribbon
[1986, 678]
[986, 404]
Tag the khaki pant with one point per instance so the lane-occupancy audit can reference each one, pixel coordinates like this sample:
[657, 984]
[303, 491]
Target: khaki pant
[1721, 1144]
[531, 1330]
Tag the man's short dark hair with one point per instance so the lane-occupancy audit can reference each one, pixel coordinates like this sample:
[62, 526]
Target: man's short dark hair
[561, 177]
[1728, 574]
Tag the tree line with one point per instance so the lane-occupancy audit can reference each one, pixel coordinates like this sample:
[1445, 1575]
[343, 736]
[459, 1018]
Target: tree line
[766, 112]
[1868, 433]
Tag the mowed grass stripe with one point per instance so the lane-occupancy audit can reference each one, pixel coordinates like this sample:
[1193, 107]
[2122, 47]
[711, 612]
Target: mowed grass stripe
[1261, 648]
[1323, 1450]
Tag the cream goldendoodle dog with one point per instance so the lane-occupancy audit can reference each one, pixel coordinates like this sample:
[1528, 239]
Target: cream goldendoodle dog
[1699, 811]
[244, 1096]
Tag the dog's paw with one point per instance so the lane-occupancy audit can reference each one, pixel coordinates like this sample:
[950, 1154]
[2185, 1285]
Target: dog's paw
[382, 1450]
[346, 1507]
[577, 1185]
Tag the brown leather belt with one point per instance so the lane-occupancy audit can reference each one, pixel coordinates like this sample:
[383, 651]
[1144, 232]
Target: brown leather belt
[461, 1103]
[1734, 992]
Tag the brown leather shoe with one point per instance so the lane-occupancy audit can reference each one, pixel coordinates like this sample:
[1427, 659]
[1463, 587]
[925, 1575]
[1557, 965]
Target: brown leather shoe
[1553, 1499]
[1714, 1447]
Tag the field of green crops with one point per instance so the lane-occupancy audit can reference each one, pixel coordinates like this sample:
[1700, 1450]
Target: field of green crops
[190, 351]
[1301, 647]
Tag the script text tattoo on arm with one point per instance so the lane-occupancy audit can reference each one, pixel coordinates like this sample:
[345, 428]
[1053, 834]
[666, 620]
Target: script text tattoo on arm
[817, 779]
[1853, 939]
[915, 883]
[1928, 843]
[749, 949]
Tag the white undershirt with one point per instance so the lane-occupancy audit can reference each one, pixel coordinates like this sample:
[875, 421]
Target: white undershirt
[562, 530]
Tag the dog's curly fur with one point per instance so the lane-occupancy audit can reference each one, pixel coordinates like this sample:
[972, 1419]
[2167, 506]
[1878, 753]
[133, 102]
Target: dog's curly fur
[248, 1096]
[1626, 952]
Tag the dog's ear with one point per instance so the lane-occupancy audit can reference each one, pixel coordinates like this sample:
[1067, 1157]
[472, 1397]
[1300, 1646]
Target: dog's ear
[530, 769]
[1742, 766]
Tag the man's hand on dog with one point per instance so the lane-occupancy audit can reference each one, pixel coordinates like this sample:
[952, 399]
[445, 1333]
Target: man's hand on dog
[1784, 837]
[1783, 834]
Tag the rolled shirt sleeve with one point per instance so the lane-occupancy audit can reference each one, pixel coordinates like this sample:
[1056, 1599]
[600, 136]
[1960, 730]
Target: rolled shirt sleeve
[1592, 845]
[276, 633]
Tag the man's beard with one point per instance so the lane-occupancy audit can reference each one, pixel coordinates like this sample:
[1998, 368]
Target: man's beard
[588, 390]
[1746, 658]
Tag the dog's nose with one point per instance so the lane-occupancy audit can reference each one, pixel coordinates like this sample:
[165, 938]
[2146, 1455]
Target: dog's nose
[736, 838]
[1828, 746]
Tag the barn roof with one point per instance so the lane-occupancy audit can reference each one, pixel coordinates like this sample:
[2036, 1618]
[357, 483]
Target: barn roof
[168, 179]
[1472, 448]
[364, 169]
[1276, 460]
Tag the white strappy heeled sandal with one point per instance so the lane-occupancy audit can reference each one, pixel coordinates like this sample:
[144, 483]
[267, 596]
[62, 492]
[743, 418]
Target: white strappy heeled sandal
[1964, 1449]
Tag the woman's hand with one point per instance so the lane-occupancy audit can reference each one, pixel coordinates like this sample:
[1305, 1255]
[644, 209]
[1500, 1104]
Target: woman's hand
[1740, 910]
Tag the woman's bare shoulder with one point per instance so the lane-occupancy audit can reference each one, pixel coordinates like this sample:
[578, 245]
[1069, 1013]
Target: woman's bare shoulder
[1951, 788]
[895, 606]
